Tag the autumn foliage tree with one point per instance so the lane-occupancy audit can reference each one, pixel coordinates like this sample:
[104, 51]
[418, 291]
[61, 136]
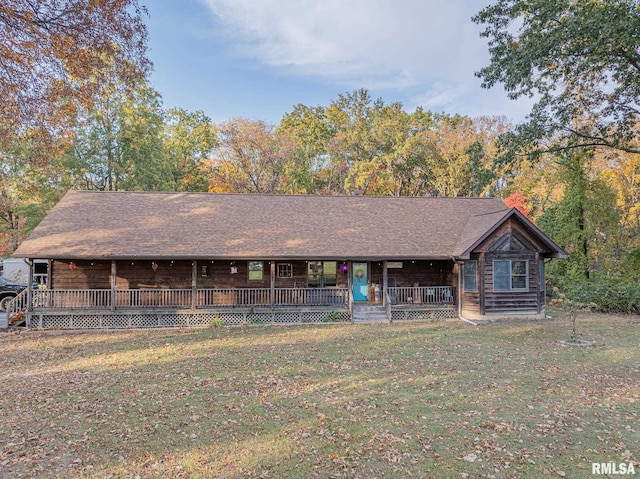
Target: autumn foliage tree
[53, 53]
[252, 157]
[56, 59]
[518, 201]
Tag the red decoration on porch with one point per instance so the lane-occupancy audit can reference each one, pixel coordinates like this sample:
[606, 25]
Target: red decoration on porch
[72, 266]
[154, 266]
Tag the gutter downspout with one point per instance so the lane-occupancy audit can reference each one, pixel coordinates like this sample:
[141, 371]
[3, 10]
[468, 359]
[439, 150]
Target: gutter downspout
[460, 295]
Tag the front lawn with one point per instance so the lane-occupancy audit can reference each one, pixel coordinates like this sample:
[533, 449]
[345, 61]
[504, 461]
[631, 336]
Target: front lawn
[371, 401]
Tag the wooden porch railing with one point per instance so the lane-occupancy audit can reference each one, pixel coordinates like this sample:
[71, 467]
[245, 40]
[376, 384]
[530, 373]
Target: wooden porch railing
[154, 298]
[72, 298]
[183, 298]
[234, 297]
[205, 298]
[422, 295]
[311, 296]
[16, 306]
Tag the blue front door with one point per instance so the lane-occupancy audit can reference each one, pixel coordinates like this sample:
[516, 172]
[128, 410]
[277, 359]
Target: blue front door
[359, 280]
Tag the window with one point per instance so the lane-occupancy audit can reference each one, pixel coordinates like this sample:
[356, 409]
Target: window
[322, 273]
[256, 270]
[470, 275]
[510, 275]
[285, 270]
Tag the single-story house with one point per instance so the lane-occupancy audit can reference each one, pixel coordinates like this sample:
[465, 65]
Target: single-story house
[142, 259]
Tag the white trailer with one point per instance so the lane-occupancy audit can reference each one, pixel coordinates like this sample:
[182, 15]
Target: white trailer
[17, 269]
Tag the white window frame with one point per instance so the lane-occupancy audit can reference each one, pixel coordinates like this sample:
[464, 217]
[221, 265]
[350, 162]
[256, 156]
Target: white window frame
[511, 288]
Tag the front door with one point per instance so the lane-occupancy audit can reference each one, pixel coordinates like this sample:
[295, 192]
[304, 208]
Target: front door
[359, 280]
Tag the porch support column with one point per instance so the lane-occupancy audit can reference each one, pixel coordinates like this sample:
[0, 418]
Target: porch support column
[30, 287]
[114, 282]
[481, 288]
[273, 283]
[194, 284]
[385, 283]
[385, 286]
[350, 289]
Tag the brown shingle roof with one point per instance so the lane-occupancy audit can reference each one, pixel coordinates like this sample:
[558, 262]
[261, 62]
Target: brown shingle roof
[111, 225]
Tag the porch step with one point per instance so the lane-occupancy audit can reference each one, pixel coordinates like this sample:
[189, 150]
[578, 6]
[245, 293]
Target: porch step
[369, 313]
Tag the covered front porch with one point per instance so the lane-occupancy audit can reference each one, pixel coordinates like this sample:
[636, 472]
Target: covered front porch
[145, 293]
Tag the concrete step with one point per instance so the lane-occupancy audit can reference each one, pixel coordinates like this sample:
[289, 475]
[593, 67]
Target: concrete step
[369, 313]
[364, 320]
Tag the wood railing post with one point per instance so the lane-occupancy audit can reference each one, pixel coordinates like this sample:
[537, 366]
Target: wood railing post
[273, 283]
[194, 284]
[385, 289]
[114, 282]
[30, 293]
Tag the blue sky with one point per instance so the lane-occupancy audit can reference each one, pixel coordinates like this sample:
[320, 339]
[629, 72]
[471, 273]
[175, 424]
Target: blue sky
[258, 58]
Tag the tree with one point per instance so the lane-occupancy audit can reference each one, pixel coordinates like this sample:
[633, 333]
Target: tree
[309, 132]
[188, 141]
[580, 59]
[518, 201]
[585, 220]
[28, 189]
[53, 55]
[119, 146]
[366, 147]
[459, 155]
[251, 158]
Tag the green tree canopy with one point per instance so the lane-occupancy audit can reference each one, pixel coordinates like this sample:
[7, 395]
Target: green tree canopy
[119, 145]
[579, 59]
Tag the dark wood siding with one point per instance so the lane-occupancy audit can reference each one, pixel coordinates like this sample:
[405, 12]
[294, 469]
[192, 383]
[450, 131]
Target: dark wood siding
[85, 275]
[511, 301]
[510, 242]
[424, 273]
[140, 275]
[219, 275]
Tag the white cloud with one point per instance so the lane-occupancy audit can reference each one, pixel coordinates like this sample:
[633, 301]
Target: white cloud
[428, 47]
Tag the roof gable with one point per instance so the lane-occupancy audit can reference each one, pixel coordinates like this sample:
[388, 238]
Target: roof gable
[502, 237]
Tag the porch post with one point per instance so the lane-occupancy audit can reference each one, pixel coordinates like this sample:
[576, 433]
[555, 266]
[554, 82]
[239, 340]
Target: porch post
[49, 273]
[481, 290]
[350, 289]
[194, 284]
[114, 281]
[273, 283]
[385, 283]
[29, 261]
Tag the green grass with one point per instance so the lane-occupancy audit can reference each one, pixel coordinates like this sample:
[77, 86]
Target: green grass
[501, 400]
